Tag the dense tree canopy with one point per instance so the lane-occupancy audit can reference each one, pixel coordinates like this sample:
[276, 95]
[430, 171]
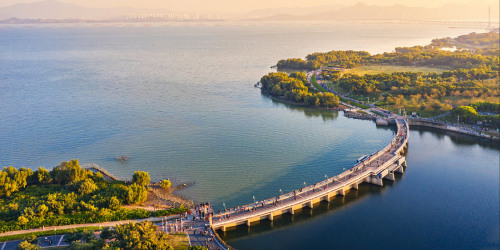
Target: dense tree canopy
[469, 114]
[471, 75]
[70, 171]
[143, 235]
[141, 178]
[295, 87]
[11, 180]
[65, 195]
[136, 194]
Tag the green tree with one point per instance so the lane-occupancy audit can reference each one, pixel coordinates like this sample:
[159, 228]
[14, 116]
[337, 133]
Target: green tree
[466, 113]
[141, 178]
[42, 210]
[11, 180]
[86, 186]
[136, 194]
[42, 176]
[165, 184]
[143, 235]
[25, 245]
[67, 172]
[21, 220]
[114, 203]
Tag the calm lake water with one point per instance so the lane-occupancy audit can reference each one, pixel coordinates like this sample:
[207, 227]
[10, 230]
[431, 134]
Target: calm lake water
[180, 101]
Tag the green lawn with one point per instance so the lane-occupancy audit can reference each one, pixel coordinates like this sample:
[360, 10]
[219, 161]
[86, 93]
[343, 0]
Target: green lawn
[315, 83]
[375, 69]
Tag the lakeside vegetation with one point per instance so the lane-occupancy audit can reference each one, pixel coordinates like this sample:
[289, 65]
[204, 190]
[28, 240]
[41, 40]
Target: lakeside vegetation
[389, 69]
[142, 235]
[427, 79]
[477, 112]
[68, 195]
[296, 88]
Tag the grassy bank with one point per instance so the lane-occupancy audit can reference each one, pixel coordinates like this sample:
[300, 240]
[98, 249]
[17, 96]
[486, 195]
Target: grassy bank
[316, 85]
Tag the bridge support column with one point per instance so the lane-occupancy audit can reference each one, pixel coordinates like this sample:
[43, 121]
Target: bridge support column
[248, 222]
[400, 170]
[327, 198]
[390, 176]
[270, 217]
[223, 228]
[341, 191]
[309, 204]
[375, 180]
[355, 186]
[291, 211]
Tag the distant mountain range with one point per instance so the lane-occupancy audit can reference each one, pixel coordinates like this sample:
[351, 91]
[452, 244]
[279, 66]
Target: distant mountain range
[53, 9]
[363, 11]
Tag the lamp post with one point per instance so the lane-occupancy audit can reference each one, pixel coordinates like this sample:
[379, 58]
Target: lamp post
[253, 196]
[224, 204]
[281, 192]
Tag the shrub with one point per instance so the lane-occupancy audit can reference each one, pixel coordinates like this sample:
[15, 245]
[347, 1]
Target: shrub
[136, 194]
[165, 184]
[141, 178]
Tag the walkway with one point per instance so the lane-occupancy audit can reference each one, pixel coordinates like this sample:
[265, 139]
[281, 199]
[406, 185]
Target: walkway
[377, 166]
[102, 224]
[197, 229]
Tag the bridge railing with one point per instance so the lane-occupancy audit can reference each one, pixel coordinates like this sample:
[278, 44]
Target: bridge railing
[401, 137]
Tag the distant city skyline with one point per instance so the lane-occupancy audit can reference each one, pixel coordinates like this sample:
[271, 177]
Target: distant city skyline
[231, 6]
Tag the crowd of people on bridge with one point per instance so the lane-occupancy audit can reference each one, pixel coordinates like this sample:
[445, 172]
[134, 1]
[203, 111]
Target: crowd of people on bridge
[202, 211]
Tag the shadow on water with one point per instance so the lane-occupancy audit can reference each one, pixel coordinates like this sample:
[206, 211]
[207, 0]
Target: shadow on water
[309, 112]
[457, 138]
[308, 215]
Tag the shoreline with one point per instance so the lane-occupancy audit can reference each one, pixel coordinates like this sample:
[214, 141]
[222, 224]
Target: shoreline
[341, 107]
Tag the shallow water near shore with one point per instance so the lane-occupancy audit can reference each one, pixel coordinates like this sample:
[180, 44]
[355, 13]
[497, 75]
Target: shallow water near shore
[180, 101]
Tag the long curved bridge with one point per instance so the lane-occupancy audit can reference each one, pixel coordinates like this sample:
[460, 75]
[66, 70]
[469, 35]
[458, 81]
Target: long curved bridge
[373, 169]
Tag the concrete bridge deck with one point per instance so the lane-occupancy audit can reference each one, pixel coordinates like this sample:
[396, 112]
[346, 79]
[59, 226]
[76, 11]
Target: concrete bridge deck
[379, 165]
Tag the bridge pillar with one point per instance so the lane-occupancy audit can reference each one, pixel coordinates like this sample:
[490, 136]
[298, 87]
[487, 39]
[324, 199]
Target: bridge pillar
[310, 204]
[327, 198]
[400, 169]
[390, 176]
[270, 217]
[377, 181]
[291, 211]
[248, 222]
[223, 228]
[355, 186]
[341, 191]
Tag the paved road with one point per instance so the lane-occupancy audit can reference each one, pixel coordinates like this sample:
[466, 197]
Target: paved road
[103, 224]
[197, 230]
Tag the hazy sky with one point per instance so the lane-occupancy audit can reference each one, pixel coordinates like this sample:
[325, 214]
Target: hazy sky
[242, 5]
